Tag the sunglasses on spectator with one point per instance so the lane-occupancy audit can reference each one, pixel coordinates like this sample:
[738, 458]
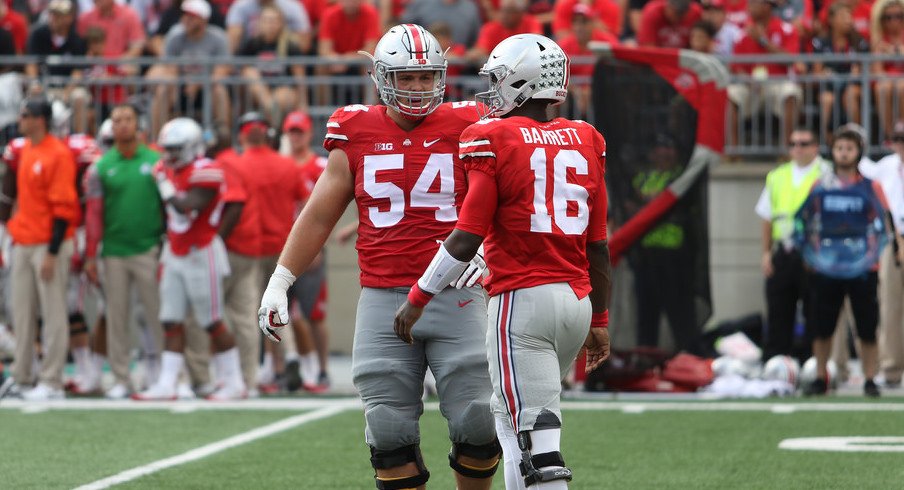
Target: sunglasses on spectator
[898, 138]
[802, 144]
[887, 17]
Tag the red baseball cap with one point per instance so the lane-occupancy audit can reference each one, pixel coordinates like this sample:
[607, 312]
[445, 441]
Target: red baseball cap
[583, 9]
[296, 120]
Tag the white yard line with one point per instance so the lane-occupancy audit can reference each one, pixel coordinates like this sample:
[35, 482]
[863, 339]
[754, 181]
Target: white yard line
[213, 448]
[182, 406]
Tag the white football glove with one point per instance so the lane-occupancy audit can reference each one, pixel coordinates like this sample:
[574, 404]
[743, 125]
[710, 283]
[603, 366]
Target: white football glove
[273, 315]
[166, 188]
[476, 270]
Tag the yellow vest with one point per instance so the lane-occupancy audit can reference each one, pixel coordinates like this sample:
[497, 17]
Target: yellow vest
[786, 198]
[664, 235]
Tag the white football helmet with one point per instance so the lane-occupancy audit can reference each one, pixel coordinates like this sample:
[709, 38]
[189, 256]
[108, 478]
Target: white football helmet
[408, 47]
[523, 67]
[182, 142]
[105, 135]
[782, 368]
[808, 373]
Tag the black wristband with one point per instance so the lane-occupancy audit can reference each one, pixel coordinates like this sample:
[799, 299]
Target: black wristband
[57, 235]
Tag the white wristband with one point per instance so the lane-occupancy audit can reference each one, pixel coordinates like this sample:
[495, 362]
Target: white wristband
[281, 279]
[443, 269]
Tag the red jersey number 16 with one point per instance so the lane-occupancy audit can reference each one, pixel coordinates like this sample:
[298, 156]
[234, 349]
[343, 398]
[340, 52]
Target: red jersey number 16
[563, 192]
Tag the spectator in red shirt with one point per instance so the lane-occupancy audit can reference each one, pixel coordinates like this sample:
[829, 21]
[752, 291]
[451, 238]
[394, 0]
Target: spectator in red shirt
[583, 30]
[124, 32]
[605, 15]
[888, 38]
[16, 24]
[769, 84]
[513, 19]
[667, 23]
[347, 27]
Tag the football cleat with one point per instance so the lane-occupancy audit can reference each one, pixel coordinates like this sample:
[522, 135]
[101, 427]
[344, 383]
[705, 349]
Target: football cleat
[228, 392]
[156, 392]
[118, 391]
[42, 393]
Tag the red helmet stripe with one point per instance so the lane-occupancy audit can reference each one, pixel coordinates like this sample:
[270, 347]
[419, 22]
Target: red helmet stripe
[417, 41]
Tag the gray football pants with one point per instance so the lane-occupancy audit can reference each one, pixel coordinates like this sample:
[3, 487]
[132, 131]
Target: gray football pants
[389, 374]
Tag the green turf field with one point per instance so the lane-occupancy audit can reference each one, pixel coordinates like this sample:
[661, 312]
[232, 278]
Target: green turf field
[707, 447]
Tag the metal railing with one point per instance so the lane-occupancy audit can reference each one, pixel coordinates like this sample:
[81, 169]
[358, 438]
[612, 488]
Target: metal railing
[218, 101]
[763, 134]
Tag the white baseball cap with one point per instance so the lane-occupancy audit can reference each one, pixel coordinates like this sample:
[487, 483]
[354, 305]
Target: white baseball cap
[197, 7]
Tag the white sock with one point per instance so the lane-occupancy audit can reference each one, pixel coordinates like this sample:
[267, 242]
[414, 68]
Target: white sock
[171, 364]
[82, 358]
[229, 369]
[265, 372]
[310, 368]
[97, 364]
[511, 454]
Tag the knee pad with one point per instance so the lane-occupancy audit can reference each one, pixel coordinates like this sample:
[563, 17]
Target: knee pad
[474, 423]
[392, 427]
[546, 466]
[173, 330]
[383, 460]
[484, 452]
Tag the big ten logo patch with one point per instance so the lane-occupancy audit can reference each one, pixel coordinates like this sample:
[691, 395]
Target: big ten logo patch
[383, 146]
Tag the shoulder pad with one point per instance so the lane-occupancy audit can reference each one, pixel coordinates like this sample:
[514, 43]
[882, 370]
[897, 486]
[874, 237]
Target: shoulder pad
[465, 111]
[345, 114]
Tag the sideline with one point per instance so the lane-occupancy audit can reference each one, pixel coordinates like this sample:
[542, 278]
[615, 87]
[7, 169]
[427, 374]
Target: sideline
[213, 448]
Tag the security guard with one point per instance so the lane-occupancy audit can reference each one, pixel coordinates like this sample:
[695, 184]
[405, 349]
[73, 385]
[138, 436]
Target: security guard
[787, 187]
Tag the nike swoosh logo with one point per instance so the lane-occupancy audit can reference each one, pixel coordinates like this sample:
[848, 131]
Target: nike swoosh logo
[462, 304]
[428, 144]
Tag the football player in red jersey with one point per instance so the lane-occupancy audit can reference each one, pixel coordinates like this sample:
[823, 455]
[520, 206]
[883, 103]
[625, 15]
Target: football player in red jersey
[537, 200]
[193, 262]
[399, 163]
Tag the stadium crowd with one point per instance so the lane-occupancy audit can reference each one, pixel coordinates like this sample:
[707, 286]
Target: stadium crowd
[120, 30]
[275, 115]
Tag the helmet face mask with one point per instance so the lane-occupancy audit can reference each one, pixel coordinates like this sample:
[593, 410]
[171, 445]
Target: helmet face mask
[523, 67]
[405, 50]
